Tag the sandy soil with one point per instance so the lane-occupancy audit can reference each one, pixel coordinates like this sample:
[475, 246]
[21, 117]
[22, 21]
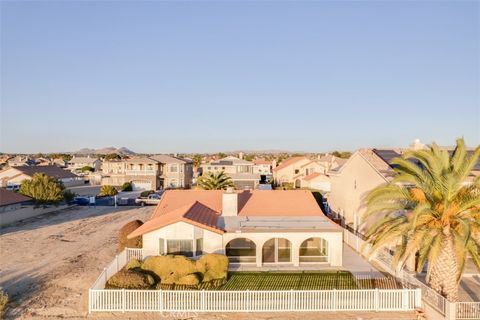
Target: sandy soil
[47, 264]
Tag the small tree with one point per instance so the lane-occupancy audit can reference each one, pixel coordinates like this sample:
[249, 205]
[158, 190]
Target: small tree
[107, 191]
[87, 169]
[43, 189]
[127, 186]
[112, 156]
[215, 181]
[68, 195]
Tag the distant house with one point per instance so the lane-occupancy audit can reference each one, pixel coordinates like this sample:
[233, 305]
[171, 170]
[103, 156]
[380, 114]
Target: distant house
[303, 172]
[240, 171]
[10, 200]
[263, 167]
[149, 173]
[16, 175]
[177, 172]
[77, 163]
[21, 161]
[252, 227]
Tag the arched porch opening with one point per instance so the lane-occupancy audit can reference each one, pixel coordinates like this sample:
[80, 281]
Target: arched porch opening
[241, 250]
[314, 250]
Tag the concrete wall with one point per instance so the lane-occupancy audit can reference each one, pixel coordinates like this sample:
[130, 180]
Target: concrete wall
[351, 185]
[26, 212]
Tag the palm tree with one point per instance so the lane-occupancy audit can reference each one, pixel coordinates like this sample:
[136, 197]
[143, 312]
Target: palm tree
[430, 211]
[215, 181]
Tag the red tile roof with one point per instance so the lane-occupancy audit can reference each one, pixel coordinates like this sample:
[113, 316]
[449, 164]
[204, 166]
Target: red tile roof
[312, 176]
[9, 197]
[288, 162]
[261, 161]
[203, 207]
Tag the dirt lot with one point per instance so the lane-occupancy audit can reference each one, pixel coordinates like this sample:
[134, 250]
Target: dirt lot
[47, 264]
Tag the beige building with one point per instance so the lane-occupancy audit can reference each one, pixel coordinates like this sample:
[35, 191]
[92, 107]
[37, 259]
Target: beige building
[77, 163]
[303, 172]
[14, 176]
[350, 183]
[241, 171]
[149, 173]
[261, 229]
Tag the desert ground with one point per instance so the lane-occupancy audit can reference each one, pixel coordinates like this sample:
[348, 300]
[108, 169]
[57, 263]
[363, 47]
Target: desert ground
[48, 262]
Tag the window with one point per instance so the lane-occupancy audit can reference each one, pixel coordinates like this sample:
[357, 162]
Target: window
[181, 168]
[173, 168]
[161, 246]
[199, 249]
[297, 171]
[241, 250]
[314, 250]
[180, 247]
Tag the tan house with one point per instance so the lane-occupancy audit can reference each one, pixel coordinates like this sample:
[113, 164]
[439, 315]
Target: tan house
[261, 229]
[365, 170]
[14, 176]
[149, 173]
[241, 171]
[303, 172]
[77, 163]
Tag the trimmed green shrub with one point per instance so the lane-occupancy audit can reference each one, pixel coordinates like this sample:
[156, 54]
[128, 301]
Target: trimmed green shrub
[133, 263]
[169, 268]
[3, 303]
[68, 196]
[145, 194]
[87, 168]
[128, 228]
[130, 279]
[193, 279]
[127, 186]
[107, 191]
[213, 266]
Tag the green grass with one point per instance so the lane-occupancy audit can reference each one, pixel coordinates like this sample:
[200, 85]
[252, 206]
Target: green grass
[290, 281]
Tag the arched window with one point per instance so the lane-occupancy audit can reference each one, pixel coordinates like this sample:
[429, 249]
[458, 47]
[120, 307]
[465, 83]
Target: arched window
[314, 250]
[241, 250]
[277, 250]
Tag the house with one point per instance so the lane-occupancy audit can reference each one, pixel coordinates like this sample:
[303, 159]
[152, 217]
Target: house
[21, 161]
[240, 171]
[252, 227]
[149, 173]
[263, 167]
[77, 163]
[16, 175]
[10, 200]
[303, 172]
[177, 172]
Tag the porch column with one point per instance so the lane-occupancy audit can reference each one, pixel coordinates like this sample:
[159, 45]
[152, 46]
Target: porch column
[295, 253]
[258, 251]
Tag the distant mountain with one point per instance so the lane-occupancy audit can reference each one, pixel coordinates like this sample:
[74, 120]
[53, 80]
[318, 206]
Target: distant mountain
[122, 151]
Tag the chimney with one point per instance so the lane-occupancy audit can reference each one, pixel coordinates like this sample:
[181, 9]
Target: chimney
[229, 203]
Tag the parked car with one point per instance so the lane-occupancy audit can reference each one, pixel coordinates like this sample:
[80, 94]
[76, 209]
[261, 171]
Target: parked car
[81, 201]
[13, 187]
[151, 199]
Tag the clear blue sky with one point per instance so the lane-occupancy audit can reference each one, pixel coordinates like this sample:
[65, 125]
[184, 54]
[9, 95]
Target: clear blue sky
[219, 76]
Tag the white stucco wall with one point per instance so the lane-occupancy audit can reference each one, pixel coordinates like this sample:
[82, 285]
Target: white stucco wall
[215, 243]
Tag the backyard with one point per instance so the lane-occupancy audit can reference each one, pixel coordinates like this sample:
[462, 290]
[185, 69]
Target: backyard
[290, 281]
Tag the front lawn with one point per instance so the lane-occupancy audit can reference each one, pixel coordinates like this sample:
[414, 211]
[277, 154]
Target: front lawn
[324, 280]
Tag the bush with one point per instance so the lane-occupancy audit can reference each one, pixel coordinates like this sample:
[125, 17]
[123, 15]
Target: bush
[193, 279]
[128, 228]
[3, 303]
[107, 191]
[288, 186]
[213, 266]
[133, 263]
[145, 194]
[127, 186]
[87, 169]
[68, 196]
[169, 268]
[43, 189]
[130, 279]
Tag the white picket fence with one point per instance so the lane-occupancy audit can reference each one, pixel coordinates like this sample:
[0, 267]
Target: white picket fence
[458, 310]
[253, 301]
[101, 299]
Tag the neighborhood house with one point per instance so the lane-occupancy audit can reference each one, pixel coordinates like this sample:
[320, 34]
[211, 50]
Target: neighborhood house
[14, 176]
[259, 228]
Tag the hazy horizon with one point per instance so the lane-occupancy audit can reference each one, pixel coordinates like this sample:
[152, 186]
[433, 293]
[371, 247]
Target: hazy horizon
[193, 77]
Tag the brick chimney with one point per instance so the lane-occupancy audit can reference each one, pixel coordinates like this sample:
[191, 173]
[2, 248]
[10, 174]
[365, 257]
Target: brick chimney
[229, 203]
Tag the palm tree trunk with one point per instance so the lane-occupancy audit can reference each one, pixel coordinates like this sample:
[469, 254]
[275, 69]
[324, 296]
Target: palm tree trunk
[443, 273]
